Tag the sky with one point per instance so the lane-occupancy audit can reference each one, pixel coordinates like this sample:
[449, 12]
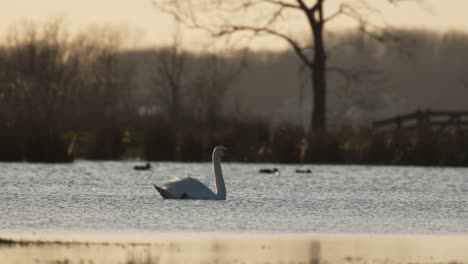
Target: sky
[148, 27]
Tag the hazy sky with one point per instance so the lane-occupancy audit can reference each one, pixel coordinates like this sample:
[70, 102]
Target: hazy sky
[140, 17]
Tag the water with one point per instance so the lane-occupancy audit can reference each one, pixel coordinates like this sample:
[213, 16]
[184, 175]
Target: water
[112, 197]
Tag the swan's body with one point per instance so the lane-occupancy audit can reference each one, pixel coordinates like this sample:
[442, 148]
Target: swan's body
[190, 188]
[185, 188]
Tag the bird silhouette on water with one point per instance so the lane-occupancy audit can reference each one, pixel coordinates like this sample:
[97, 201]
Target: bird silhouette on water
[145, 167]
[269, 171]
[304, 171]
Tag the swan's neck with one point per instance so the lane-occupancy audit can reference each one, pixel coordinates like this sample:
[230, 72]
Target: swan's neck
[219, 180]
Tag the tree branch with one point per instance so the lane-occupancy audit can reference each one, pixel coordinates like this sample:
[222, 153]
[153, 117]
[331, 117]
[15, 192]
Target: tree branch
[283, 4]
[297, 48]
[274, 17]
[318, 5]
[302, 5]
[341, 10]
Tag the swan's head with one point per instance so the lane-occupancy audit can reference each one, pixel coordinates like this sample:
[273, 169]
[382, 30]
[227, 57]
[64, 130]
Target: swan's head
[219, 151]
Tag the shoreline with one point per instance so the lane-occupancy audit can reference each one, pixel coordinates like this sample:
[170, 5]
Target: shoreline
[138, 236]
[209, 247]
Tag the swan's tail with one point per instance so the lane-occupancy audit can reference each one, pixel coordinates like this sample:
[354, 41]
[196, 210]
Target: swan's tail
[162, 192]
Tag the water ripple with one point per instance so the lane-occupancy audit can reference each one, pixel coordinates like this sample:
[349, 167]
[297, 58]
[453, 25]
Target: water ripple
[111, 196]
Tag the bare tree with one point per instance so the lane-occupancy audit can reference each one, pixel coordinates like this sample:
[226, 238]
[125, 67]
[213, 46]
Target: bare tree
[170, 76]
[221, 19]
[210, 85]
[40, 70]
[190, 83]
[53, 85]
[39, 73]
[105, 78]
[104, 98]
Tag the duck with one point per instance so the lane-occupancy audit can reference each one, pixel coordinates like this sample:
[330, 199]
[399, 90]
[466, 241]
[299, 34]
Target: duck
[304, 171]
[269, 171]
[192, 189]
[145, 167]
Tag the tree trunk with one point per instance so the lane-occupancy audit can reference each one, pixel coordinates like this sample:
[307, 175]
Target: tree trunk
[318, 123]
[319, 79]
[175, 104]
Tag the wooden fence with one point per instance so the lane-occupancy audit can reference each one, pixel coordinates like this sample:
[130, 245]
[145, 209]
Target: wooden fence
[426, 118]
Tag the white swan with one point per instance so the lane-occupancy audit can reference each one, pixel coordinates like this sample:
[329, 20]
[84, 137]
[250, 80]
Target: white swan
[190, 188]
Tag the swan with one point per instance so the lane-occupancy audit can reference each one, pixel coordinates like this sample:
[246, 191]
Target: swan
[146, 167]
[190, 188]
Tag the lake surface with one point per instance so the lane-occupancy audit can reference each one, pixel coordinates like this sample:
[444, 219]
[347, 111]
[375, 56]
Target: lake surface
[112, 197]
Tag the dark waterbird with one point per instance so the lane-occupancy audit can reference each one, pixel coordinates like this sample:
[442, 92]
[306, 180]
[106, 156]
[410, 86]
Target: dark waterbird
[269, 171]
[304, 171]
[146, 167]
